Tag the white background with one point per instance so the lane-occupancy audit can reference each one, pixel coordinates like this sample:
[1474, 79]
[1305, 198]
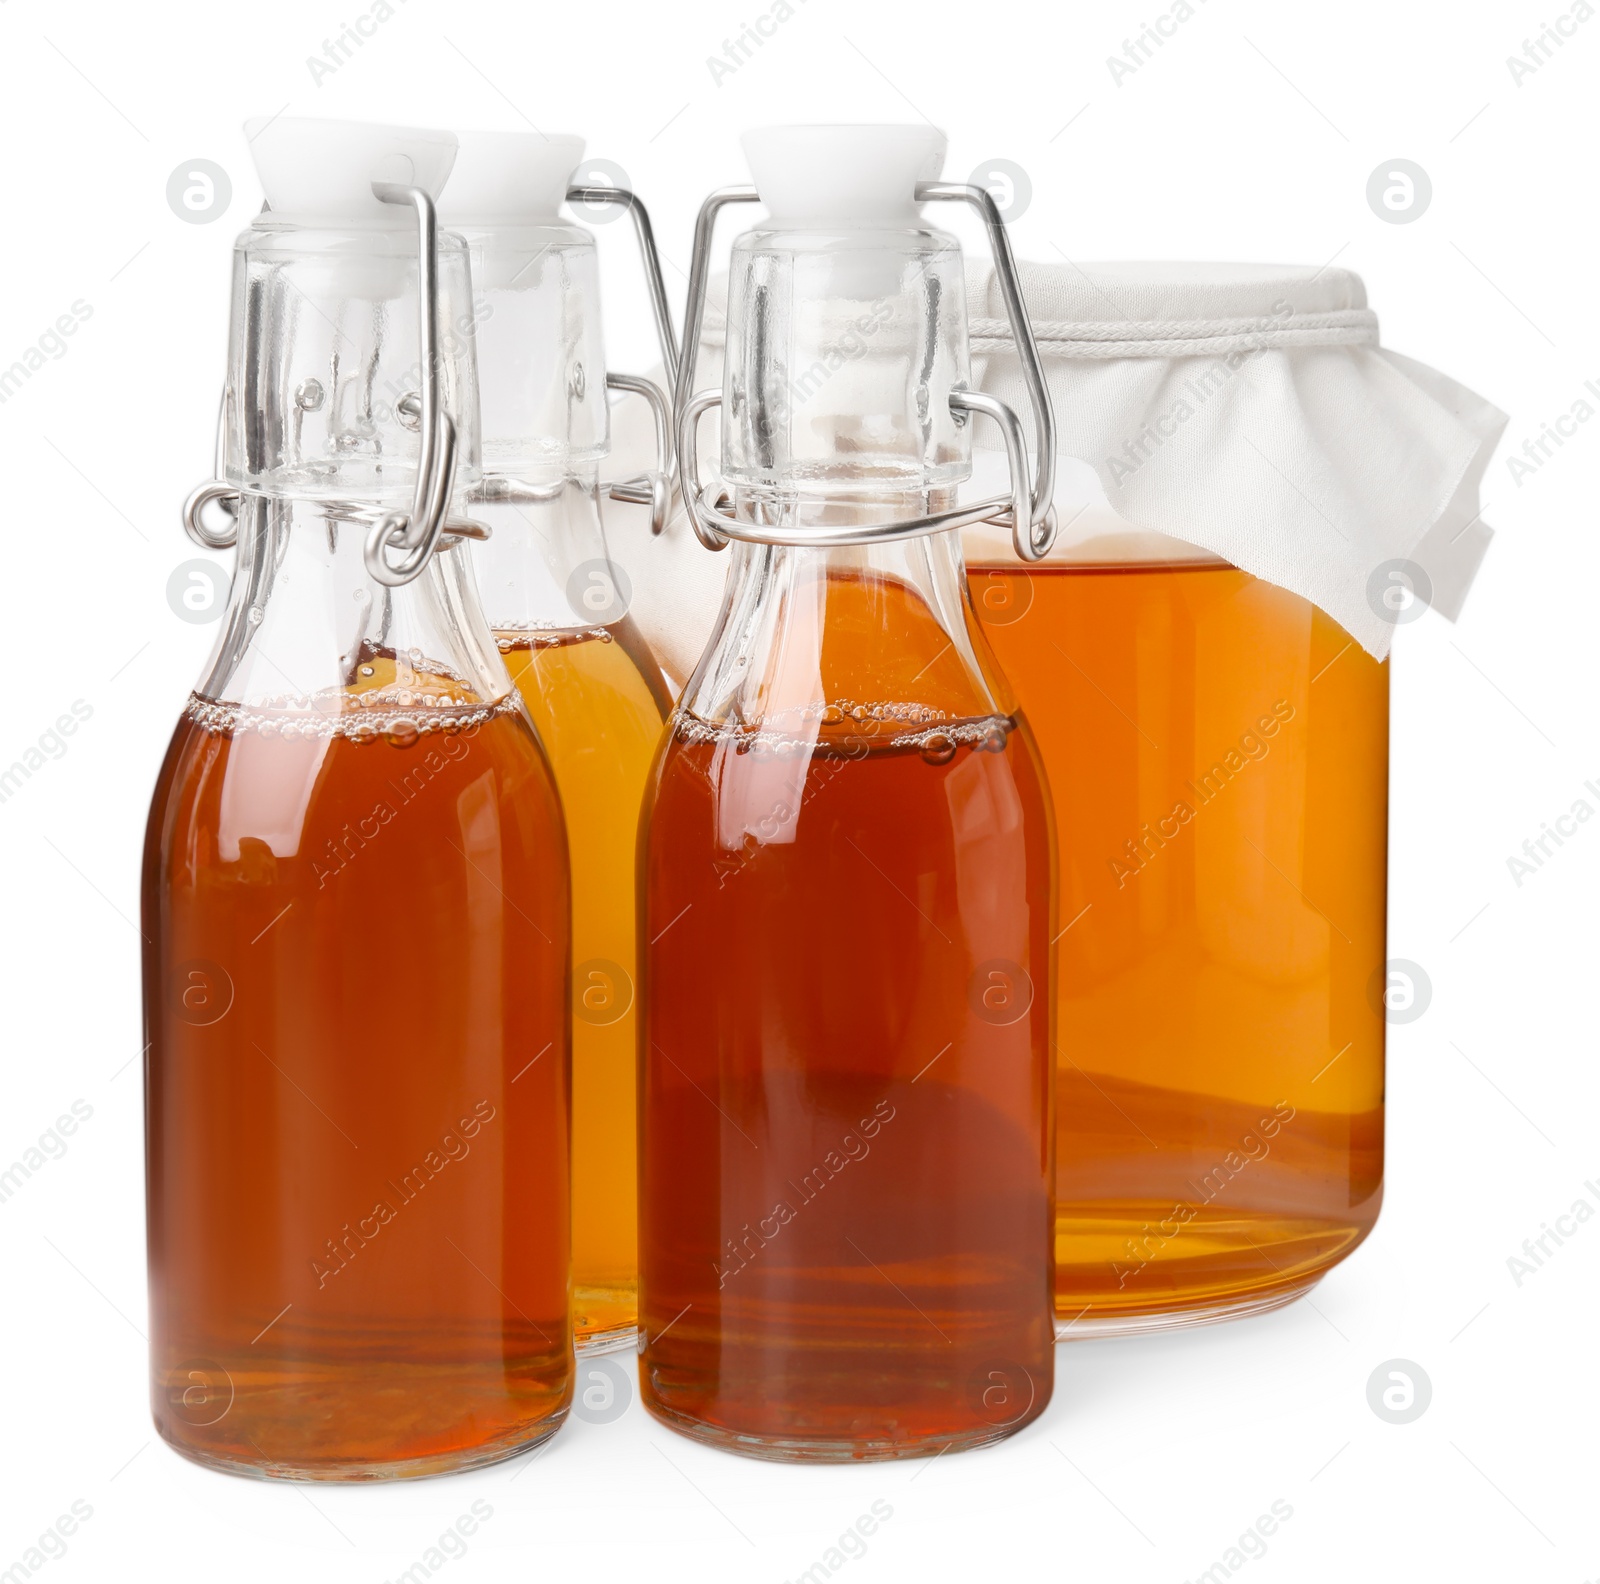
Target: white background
[1251, 134]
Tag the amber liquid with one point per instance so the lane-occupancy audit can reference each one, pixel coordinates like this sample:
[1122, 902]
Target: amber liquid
[598, 701]
[845, 1201]
[355, 996]
[1218, 753]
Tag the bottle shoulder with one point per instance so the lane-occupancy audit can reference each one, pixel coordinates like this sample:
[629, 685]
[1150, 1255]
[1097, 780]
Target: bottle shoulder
[237, 781]
[874, 775]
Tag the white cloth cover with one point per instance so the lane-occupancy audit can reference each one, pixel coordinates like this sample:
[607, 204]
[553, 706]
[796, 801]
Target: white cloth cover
[1249, 412]
[1238, 411]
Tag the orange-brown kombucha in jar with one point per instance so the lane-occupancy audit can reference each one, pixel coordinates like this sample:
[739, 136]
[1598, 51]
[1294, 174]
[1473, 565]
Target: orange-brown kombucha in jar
[1217, 750]
[845, 1065]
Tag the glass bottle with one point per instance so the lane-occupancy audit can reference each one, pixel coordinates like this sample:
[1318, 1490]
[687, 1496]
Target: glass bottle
[355, 888]
[558, 608]
[846, 873]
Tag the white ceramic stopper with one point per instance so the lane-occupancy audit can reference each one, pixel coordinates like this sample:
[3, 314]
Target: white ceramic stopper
[509, 178]
[843, 175]
[318, 171]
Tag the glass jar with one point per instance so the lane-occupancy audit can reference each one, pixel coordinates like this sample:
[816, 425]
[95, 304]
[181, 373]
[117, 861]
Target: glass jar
[355, 891]
[1202, 656]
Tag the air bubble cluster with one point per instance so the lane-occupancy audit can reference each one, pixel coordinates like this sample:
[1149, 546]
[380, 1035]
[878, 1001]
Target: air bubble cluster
[938, 738]
[357, 717]
[511, 639]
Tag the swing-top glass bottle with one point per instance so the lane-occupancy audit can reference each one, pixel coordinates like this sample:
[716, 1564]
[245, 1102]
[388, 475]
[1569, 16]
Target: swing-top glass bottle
[355, 887]
[846, 866]
[558, 607]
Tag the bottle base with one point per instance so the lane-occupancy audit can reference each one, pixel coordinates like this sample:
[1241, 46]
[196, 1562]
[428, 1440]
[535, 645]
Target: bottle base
[614, 1339]
[797, 1449]
[1085, 1326]
[367, 1472]
[605, 1315]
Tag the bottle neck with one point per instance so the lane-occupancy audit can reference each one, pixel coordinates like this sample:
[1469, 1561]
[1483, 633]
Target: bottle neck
[874, 643]
[544, 566]
[308, 629]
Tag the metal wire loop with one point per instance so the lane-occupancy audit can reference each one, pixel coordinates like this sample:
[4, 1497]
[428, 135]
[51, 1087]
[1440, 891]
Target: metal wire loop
[711, 515]
[652, 263]
[1028, 507]
[653, 489]
[212, 493]
[416, 533]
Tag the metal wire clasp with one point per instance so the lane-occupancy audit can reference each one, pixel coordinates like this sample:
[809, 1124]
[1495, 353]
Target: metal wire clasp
[1026, 509]
[653, 489]
[417, 532]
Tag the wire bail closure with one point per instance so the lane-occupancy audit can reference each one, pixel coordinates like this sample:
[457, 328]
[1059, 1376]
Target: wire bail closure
[652, 489]
[417, 533]
[1027, 509]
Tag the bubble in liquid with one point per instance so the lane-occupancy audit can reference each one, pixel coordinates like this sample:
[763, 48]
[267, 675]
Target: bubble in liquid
[994, 740]
[404, 698]
[402, 733]
[938, 748]
[269, 728]
[362, 732]
[366, 671]
[832, 715]
[256, 616]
